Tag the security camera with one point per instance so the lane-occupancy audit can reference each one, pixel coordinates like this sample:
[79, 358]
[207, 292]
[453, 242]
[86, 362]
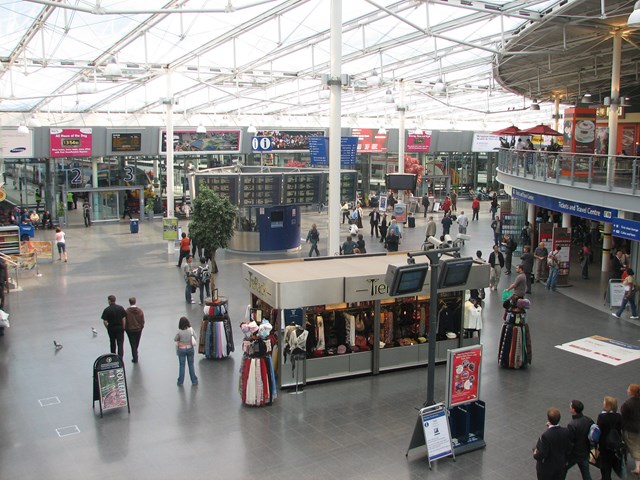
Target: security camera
[434, 241]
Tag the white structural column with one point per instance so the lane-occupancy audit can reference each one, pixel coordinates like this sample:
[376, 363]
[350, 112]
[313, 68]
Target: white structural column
[556, 113]
[566, 220]
[531, 218]
[335, 127]
[613, 136]
[169, 141]
[401, 144]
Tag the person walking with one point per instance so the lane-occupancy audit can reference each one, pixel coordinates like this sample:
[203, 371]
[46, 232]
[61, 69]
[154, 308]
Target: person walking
[134, 326]
[86, 213]
[496, 261]
[463, 223]
[540, 255]
[552, 448]
[185, 248]
[494, 206]
[393, 241]
[185, 342]
[610, 424]
[313, 237]
[383, 228]
[475, 207]
[69, 200]
[526, 260]
[630, 413]
[431, 228]
[203, 275]
[495, 226]
[61, 243]
[374, 221]
[446, 223]
[630, 290]
[519, 285]
[454, 201]
[425, 204]
[191, 282]
[585, 257]
[114, 318]
[579, 428]
[554, 268]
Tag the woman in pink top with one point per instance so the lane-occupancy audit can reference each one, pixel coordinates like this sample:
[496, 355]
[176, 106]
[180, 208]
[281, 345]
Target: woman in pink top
[62, 246]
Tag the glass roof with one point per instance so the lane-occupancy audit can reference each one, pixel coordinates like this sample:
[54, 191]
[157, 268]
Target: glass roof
[242, 62]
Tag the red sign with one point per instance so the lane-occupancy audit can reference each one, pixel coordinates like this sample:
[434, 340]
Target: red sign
[70, 142]
[418, 143]
[465, 375]
[369, 140]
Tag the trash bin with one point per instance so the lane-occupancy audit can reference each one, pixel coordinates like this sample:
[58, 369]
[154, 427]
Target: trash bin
[412, 222]
[133, 225]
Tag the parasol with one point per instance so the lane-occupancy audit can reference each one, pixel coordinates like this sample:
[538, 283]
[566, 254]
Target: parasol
[541, 129]
[512, 130]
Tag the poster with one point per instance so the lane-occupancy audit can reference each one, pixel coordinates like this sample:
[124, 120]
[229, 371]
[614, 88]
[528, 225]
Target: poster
[170, 229]
[562, 238]
[70, 142]
[400, 212]
[485, 142]
[418, 142]
[189, 141]
[603, 349]
[463, 375]
[369, 140]
[437, 435]
[113, 390]
[43, 250]
[16, 145]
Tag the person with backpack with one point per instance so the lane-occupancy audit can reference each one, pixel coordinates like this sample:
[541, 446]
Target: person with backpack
[610, 424]
[203, 275]
[579, 428]
[313, 237]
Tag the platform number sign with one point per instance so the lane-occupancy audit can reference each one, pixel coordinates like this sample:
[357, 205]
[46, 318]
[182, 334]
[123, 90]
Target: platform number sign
[128, 174]
[261, 144]
[76, 176]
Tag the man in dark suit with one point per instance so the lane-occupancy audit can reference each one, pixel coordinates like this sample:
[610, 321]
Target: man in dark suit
[374, 220]
[552, 449]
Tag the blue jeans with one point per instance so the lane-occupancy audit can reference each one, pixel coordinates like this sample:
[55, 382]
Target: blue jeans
[186, 354]
[553, 279]
[187, 293]
[631, 301]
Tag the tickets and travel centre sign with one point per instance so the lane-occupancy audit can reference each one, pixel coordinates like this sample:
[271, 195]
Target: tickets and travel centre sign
[584, 210]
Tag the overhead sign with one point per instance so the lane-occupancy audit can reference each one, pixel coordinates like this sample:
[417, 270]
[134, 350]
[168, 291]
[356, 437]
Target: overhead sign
[584, 210]
[485, 142]
[623, 228]
[319, 151]
[603, 349]
[370, 140]
[290, 140]
[419, 142]
[261, 144]
[70, 142]
[187, 142]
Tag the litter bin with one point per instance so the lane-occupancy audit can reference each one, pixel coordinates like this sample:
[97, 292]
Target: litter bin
[133, 225]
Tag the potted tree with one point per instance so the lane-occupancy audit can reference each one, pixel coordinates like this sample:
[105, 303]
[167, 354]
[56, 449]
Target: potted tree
[212, 221]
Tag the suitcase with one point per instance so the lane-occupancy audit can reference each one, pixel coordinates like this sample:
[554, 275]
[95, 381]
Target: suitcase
[412, 222]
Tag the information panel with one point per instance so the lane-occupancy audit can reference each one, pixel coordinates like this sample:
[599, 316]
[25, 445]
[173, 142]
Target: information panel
[437, 435]
[259, 190]
[70, 142]
[290, 140]
[319, 151]
[302, 188]
[223, 185]
[126, 142]
[463, 375]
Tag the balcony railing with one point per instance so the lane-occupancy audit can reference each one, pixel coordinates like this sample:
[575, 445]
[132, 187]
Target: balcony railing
[574, 169]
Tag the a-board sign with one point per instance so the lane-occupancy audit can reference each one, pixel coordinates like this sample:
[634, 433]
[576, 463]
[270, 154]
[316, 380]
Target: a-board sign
[616, 293]
[463, 375]
[437, 434]
[110, 383]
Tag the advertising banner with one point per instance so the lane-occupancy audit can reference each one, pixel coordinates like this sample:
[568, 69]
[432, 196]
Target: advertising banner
[418, 142]
[16, 145]
[70, 142]
[579, 133]
[562, 238]
[290, 140]
[369, 140]
[485, 142]
[110, 383]
[603, 349]
[170, 229]
[43, 250]
[463, 375]
[186, 142]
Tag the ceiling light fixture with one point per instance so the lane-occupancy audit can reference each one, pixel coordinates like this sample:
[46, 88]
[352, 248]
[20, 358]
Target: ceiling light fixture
[201, 129]
[382, 131]
[535, 105]
[34, 121]
[23, 129]
[586, 98]
[252, 129]
[634, 18]
[373, 80]
[113, 69]
[439, 86]
[388, 96]
[325, 93]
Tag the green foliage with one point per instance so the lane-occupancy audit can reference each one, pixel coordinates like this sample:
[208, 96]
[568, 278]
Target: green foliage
[213, 218]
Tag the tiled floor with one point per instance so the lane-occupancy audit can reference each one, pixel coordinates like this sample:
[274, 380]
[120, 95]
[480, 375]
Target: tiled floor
[357, 428]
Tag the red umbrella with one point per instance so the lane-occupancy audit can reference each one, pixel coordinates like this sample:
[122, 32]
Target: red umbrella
[512, 130]
[541, 130]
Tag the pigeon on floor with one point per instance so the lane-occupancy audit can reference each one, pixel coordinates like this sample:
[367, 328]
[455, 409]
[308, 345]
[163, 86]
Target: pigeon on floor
[57, 345]
[94, 331]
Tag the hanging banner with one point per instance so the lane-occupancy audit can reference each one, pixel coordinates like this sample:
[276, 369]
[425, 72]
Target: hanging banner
[170, 229]
[584, 210]
[463, 375]
[70, 142]
[418, 142]
[485, 142]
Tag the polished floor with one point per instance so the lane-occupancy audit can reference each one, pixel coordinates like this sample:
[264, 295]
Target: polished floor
[356, 428]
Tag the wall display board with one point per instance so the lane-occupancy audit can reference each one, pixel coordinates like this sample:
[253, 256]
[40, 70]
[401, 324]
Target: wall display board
[319, 151]
[463, 375]
[290, 140]
[70, 142]
[348, 186]
[16, 145]
[223, 185]
[186, 142]
[126, 142]
[511, 224]
[110, 383]
[370, 141]
[418, 142]
[302, 188]
[259, 190]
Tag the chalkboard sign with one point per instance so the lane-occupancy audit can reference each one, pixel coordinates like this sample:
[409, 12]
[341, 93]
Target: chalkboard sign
[110, 383]
[259, 190]
[223, 185]
[302, 188]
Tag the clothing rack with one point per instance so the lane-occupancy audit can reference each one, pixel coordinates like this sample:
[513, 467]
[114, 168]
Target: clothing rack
[216, 334]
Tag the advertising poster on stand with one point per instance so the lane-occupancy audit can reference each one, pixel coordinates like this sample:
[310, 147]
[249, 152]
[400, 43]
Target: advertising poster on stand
[70, 142]
[562, 238]
[463, 375]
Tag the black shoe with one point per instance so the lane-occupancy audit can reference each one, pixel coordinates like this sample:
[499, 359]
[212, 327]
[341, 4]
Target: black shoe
[134, 360]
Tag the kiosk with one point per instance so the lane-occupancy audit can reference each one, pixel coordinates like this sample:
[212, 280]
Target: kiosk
[355, 327]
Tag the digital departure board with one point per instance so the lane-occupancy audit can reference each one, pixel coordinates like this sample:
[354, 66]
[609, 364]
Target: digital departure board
[302, 188]
[223, 185]
[126, 142]
[348, 186]
[260, 190]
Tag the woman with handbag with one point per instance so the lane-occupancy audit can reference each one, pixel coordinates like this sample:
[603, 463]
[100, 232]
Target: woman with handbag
[185, 349]
[629, 285]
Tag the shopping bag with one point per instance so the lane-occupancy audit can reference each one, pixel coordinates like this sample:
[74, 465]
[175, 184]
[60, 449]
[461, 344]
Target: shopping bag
[506, 295]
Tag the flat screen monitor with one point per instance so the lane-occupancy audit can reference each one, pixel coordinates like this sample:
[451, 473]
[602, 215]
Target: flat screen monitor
[406, 279]
[126, 142]
[401, 181]
[455, 272]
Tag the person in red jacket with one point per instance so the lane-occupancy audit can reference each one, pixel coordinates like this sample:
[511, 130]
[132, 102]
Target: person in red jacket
[475, 206]
[185, 248]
